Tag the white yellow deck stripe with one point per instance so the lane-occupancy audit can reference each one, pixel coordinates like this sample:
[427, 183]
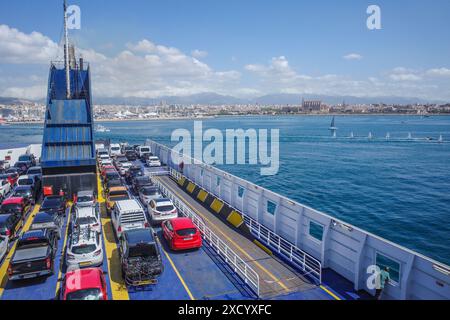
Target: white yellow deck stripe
[119, 290]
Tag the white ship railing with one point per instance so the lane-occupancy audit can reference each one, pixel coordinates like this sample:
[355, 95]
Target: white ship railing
[242, 269]
[297, 257]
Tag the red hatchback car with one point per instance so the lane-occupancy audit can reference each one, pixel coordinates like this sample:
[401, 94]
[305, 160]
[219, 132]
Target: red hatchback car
[182, 234]
[84, 284]
[15, 205]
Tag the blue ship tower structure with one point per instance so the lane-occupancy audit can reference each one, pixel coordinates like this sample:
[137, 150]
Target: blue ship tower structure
[68, 149]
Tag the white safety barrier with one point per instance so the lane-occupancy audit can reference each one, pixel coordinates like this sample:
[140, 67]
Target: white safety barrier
[297, 257]
[250, 277]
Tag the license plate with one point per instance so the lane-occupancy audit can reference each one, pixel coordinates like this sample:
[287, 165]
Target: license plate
[82, 264]
[28, 276]
[145, 283]
[187, 239]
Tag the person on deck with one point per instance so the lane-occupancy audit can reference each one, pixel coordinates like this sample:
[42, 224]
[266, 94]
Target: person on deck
[384, 279]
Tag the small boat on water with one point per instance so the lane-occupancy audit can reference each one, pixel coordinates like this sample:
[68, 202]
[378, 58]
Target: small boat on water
[332, 125]
[100, 128]
[440, 140]
[409, 135]
[388, 136]
[352, 135]
[370, 135]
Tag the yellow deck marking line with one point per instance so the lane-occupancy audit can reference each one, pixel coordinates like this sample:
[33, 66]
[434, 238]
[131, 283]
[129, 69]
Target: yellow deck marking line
[4, 267]
[178, 273]
[63, 252]
[119, 290]
[330, 293]
[231, 240]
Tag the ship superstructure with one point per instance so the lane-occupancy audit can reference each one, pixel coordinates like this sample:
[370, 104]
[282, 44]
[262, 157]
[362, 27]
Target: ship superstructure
[68, 153]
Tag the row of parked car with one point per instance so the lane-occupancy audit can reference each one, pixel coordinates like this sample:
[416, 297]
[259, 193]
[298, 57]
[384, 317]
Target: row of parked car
[136, 205]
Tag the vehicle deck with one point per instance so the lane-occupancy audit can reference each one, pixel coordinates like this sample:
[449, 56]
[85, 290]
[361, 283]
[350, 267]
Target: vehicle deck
[198, 274]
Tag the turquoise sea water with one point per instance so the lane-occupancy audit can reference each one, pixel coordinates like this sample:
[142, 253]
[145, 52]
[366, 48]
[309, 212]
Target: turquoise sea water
[398, 189]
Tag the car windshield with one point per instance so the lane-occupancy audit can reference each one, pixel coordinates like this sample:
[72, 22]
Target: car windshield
[10, 208]
[24, 158]
[142, 250]
[86, 220]
[85, 199]
[51, 203]
[85, 294]
[187, 232]
[154, 159]
[149, 192]
[84, 249]
[32, 243]
[25, 182]
[145, 149]
[22, 193]
[165, 208]
[34, 171]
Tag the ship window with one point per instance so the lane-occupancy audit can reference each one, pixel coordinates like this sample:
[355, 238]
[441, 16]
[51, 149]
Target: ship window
[316, 230]
[271, 207]
[218, 181]
[394, 267]
[241, 191]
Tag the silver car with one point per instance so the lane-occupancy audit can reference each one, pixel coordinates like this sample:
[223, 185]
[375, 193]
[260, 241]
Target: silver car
[149, 193]
[87, 216]
[85, 248]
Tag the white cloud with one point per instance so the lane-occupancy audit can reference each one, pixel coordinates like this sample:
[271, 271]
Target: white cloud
[199, 54]
[19, 48]
[353, 56]
[440, 72]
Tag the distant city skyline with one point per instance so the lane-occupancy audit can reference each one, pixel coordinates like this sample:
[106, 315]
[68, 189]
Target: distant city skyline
[244, 49]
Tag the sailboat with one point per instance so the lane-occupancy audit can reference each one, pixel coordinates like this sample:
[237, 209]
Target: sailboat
[333, 126]
[440, 139]
[409, 135]
[370, 135]
[352, 135]
[388, 136]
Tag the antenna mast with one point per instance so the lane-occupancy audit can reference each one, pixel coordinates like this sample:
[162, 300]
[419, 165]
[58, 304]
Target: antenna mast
[66, 52]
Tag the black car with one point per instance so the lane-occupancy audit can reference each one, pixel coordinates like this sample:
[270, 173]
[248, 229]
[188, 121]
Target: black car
[111, 175]
[139, 182]
[47, 220]
[140, 257]
[112, 183]
[22, 167]
[134, 171]
[10, 225]
[54, 204]
[26, 192]
[35, 171]
[131, 155]
[29, 158]
[34, 255]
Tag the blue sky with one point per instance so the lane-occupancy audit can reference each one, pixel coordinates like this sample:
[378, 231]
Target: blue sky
[251, 47]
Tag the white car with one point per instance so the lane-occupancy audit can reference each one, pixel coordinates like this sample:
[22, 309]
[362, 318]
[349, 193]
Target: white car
[4, 244]
[153, 162]
[106, 162]
[114, 149]
[128, 215]
[87, 216]
[124, 167]
[5, 188]
[161, 210]
[85, 249]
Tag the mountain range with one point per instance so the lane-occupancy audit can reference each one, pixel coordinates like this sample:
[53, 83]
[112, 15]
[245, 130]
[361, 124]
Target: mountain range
[210, 98]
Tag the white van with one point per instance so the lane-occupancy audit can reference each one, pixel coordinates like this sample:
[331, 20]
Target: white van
[114, 149]
[143, 150]
[128, 215]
